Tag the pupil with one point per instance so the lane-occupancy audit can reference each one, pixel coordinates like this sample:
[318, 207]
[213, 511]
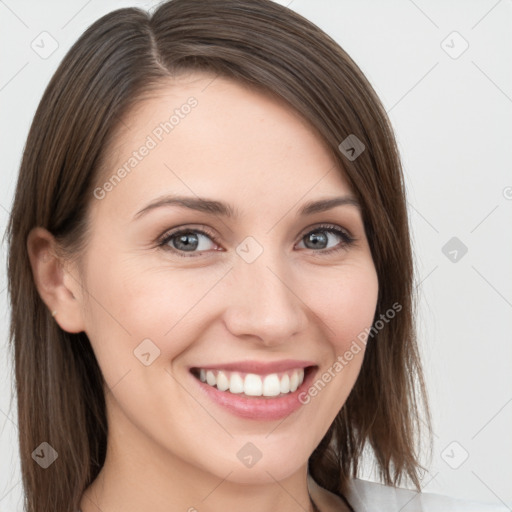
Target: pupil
[186, 244]
[317, 239]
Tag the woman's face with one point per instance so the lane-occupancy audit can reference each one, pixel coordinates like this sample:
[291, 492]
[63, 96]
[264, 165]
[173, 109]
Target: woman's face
[251, 282]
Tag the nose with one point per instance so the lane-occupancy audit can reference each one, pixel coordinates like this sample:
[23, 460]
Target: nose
[264, 301]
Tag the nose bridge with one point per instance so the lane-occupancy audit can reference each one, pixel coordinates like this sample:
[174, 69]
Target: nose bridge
[264, 303]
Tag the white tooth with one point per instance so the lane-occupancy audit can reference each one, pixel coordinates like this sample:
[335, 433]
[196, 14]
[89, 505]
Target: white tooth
[294, 381]
[271, 385]
[236, 384]
[253, 386]
[285, 383]
[222, 381]
[210, 378]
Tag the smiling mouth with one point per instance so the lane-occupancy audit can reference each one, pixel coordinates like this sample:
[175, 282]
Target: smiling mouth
[272, 385]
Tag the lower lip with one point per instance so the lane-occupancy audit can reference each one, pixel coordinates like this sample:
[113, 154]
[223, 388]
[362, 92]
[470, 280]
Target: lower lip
[257, 408]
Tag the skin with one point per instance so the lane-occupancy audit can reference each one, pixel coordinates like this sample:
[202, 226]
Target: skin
[169, 447]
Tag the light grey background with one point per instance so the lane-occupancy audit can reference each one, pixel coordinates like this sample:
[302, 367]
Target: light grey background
[453, 119]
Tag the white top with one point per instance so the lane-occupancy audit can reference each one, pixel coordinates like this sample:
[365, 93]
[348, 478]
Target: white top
[369, 496]
[365, 496]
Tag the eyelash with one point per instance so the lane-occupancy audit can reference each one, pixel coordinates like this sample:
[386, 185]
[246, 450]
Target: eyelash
[347, 240]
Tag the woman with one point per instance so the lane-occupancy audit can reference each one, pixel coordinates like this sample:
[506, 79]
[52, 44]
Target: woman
[210, 270]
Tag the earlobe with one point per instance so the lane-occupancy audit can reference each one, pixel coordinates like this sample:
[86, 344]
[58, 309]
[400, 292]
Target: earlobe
[50, 274]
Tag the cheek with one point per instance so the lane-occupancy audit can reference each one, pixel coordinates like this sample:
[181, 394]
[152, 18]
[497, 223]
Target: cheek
[131, 303]
[347, 303]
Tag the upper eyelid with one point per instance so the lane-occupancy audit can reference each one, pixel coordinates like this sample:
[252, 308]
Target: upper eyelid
[185, 229]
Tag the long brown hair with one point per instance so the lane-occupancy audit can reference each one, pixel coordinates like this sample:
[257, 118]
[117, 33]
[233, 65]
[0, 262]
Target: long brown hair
[121, 57]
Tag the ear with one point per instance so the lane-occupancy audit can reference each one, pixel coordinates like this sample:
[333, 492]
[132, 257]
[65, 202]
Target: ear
[58, 288]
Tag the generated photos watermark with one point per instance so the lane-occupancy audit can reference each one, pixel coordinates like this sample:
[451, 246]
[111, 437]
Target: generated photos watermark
[152, 140]
[343, 360]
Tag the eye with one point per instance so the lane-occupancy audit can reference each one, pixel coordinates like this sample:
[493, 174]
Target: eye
[320, 238]
[188, 241]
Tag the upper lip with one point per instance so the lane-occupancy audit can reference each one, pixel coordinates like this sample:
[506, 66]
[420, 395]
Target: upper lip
[259, 367]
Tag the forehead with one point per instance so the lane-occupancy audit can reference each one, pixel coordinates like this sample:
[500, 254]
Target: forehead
[206, 135]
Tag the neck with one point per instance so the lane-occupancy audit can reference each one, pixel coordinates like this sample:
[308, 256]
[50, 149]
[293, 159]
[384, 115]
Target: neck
[110, 491]
[143, 476]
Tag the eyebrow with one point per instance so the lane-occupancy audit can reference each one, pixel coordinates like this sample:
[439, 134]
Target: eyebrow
[225, 210]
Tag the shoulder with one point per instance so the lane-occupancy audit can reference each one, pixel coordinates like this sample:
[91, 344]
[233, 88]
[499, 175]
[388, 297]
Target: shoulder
[325, 500]
[364, 495]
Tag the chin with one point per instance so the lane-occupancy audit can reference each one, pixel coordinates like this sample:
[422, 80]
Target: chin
[253, 466]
